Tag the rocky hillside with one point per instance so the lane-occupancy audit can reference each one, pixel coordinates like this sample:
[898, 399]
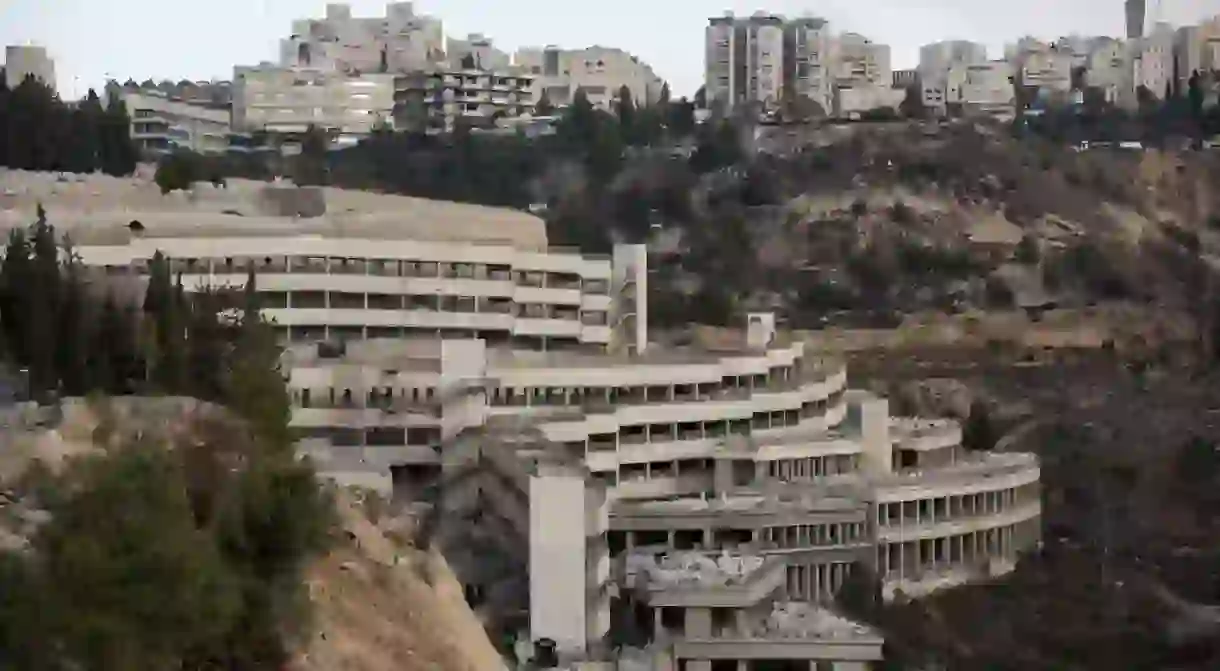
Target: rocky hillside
[863, 227]
[378, 602]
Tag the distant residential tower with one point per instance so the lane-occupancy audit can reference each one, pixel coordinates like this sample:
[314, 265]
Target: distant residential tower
[1135, 18]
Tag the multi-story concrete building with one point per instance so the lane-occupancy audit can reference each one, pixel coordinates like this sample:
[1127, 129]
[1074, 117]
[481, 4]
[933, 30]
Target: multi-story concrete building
[1196, 48]
[478, 52]
[436, 98]
[524, 384]
[289, 100]
[1134, 13]
[1042, 66]
[401, 40]
[25, 61]
[160, 123]
[808, 54]
[1149, 65]
[1107, 66]
[599, 71]
[860, 61]
[745, 58]
[940, 56]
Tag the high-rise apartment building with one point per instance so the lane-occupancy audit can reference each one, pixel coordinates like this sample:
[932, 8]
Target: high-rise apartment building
[599, 71]
[25, 61]
[809, 49]
[401, 40]
[745, 59]
[945, 54]
[1135, 10]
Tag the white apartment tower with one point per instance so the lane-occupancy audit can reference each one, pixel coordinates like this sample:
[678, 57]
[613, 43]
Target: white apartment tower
[745, 59]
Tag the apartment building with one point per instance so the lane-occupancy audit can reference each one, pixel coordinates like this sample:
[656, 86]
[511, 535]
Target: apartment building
[160, 123]
[435, 98]
[1106, 68]
[24, 61]
[478, 52]
[289, 100]
[400, 40]
[599, 71]
[940, 56]
[808, 54]
[745, 59]
[1149, 65]
[859, 61]
[1196, 48]
[1043, 66]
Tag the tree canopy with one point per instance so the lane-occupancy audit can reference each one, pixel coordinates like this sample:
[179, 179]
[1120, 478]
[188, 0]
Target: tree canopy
[40, 132]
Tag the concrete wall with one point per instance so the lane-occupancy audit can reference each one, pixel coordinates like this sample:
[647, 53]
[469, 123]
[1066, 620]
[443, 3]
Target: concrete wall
[557, 562]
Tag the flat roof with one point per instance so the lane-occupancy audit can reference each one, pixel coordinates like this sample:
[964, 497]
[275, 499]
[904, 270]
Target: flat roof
[96, 209]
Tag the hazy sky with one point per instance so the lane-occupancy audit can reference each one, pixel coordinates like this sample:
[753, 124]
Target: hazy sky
[93, 39]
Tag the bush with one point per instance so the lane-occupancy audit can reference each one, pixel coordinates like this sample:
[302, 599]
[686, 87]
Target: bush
[178, 171]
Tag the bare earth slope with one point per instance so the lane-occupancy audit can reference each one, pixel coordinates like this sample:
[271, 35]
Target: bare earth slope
[380, 607]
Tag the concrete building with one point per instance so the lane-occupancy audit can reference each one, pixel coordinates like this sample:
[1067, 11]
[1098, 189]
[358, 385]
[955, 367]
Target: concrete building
[289, 100]
[401, 40]
[808, 54]
[1150, 65]
[24, 61]
[476, 52]
[852, 101]
[940, 56]
[160, 123]
[716, 494]
[1196, 47]
[599, 71]
[1134, 11]
[861, 61]
[1106, 68]
[904, 79]
[437, 97]
[745, 58]
[1042, 65]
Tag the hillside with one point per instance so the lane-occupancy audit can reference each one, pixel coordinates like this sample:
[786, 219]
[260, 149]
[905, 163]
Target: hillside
[382, 605]
[862, 227]
[379, 604]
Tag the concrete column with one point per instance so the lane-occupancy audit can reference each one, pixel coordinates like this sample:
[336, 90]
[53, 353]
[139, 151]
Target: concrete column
[657, 629]
[743, 665]
[698, 665]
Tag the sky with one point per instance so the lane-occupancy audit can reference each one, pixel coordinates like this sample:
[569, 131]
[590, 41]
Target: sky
[94, 40]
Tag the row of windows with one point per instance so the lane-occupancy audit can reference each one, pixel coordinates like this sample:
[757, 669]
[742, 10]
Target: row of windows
[379, 267]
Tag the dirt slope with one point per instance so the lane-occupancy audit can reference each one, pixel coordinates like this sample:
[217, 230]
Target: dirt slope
[382, 607]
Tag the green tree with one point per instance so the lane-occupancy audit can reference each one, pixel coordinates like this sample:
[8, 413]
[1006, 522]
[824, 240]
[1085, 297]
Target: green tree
[310, 167]
[978, 433]
[177, 171]
[118, 155]
[544, 107]
[624, 107]
[126, 581]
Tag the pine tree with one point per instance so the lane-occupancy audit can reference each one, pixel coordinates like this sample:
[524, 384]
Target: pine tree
[16, 277]
[43, 316]
[256, 387]
[544, 107]
[117, 152]
[74, 335]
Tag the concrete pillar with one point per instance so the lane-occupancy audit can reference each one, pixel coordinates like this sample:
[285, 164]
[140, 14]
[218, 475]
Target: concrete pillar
[698, 665]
